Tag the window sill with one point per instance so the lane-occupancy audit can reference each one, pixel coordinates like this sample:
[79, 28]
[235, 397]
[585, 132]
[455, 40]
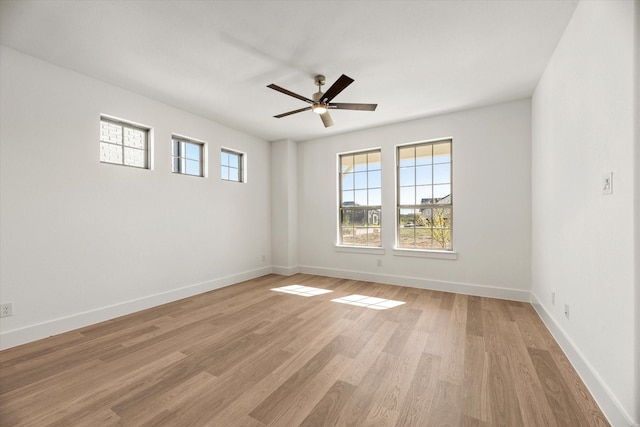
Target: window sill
[426, 253]
[360, 250]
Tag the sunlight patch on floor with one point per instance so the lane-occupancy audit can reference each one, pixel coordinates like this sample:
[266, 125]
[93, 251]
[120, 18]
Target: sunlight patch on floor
[369, 302]
[305, 291]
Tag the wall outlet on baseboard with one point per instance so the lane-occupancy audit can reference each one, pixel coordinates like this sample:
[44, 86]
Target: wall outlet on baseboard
[6, 309]
[566, 311]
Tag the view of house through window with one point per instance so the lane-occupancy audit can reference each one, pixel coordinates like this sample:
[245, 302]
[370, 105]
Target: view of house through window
[123, 143]
[187, 157]
[424, 196]
[231, 165]
[360, 177]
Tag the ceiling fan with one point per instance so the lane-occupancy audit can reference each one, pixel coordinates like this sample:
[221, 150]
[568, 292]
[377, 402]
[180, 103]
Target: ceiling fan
[321, 102]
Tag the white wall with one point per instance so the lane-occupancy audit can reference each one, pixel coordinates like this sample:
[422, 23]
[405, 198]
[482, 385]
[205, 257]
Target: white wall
[84, 241]
[583, 241]
[491, 182]
[284, 207]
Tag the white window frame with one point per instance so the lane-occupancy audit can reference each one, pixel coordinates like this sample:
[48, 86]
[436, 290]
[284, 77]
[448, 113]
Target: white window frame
[179, 158]
[124, 124]
[442, 253]
[341, 245]
[242, 165]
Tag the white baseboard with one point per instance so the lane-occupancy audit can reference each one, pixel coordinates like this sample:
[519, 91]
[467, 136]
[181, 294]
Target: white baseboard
[608, 403]
[415, 282]
[284, 271]
[35, 332]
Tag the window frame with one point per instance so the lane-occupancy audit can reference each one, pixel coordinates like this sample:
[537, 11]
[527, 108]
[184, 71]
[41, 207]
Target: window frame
[242, 178]
[342, 208]
[184, 141]
[415, 251]
[125, 124]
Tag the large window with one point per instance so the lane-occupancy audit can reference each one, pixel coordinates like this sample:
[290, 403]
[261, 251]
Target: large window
[425, 204]
[187, 157]
[123, 143]
[360, 177]
[231, 165]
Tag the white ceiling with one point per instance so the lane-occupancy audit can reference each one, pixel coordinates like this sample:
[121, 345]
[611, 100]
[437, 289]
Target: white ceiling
[215, 58]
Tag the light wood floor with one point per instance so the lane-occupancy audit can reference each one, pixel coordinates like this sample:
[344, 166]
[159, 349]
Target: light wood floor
[247, 356]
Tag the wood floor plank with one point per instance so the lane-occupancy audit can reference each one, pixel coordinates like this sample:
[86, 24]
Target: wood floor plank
[563, 405]
[326, 411]
[420, 393]
[247, 356]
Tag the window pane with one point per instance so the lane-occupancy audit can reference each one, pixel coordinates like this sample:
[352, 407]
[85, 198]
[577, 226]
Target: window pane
[360, 197]
[407, 195]
[360, 180]
[346, 164]
[406, 215]
[346, 235]
[110, 132]
[373, 237]
[175, 148]
[224, 158]
[134, 138]
[193, 151]
[374, 217]
[407, 176]
[348, 198]
[423, 175]
[224, 173]
[375, 197]
[442, 153]
[176, 164]
[442, 173]
[374, 160]
[234, 160]
[406, 156]
[110, 153]
[345, 217]
[233, 175]
[360, 162]
[192, 167]
[406, 237]
[359, 217]
[423, 155]
[440, 191]
[347, 181]
[424, 195]
[375, 179]
[134, 157]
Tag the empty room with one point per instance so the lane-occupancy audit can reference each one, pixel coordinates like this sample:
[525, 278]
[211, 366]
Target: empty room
[320, 213]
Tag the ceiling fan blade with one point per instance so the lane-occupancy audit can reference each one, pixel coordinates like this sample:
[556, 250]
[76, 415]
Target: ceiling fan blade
[288, 92]
[326, 119]
[340, 84]
[279, 116]
[351, 106]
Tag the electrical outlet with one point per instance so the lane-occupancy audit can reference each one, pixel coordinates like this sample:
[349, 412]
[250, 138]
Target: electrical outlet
[6, 309]
[379, 263]
[566, 311]
[607, 183]
[553, 298]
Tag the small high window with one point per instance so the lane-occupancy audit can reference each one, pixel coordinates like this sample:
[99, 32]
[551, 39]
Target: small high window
[187, 157]
[124, 143]
[231, 165]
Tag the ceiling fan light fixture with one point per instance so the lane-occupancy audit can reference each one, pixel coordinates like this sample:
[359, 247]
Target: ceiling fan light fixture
[319, 108]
